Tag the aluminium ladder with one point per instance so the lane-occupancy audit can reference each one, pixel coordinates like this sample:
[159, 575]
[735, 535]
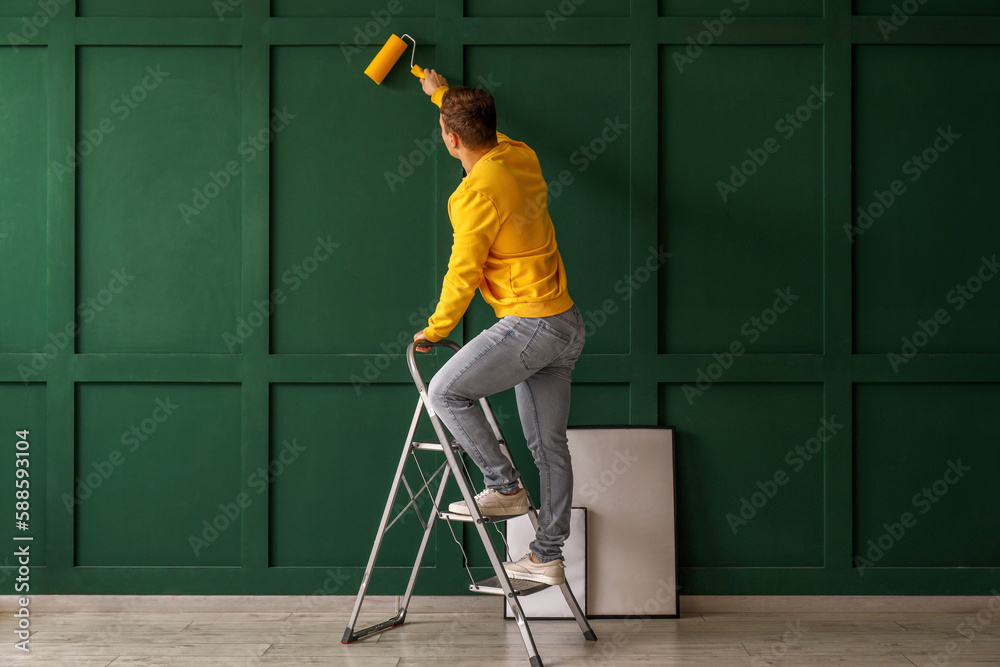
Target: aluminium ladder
[500, 584]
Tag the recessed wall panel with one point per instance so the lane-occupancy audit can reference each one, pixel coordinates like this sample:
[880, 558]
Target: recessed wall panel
[925, 469]
[738, 8]
[23, 191]
[926, 8]
[556, 11]
[377, 18]
[173, 9]
[19, 8]
[923, 225]
[750, 470]
[158, 161]
[353, 217]
[157, 478]
[741, 199]
[341, 447]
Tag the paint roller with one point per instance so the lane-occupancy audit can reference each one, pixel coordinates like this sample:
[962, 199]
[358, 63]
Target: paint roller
[388, 56]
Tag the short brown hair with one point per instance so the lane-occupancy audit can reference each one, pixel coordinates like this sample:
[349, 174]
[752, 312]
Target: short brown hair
[471, 114]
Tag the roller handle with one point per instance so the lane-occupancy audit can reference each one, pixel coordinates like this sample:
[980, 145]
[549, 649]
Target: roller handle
[417, 71]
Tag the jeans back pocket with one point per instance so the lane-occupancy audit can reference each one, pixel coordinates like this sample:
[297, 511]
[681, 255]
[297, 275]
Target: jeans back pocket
[544, 346]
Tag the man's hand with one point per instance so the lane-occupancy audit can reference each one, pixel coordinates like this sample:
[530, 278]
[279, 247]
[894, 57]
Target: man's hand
[432, 81]
[420, 336]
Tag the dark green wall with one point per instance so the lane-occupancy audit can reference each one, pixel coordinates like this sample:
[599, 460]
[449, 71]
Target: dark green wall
[234, 299]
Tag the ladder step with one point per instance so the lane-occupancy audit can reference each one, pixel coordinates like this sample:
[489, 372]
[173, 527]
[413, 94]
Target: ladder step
[467, 518]
[431, 446]
[492, 586]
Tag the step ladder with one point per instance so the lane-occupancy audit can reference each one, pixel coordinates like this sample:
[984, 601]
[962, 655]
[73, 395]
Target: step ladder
[454, 466]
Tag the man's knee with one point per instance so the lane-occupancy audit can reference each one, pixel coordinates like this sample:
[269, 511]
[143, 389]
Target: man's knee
[435, 394]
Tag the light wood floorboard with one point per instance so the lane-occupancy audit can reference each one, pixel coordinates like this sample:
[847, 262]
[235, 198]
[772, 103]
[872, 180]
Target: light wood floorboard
[194, 634]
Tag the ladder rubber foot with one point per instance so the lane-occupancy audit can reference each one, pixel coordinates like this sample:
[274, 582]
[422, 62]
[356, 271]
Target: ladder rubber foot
[348, 636]
[590, 636]
[535, 661]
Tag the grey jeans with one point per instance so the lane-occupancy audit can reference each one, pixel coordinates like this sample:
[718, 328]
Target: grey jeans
[535, 355]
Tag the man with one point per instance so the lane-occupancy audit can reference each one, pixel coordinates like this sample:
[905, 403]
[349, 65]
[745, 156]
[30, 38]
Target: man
[505, 245]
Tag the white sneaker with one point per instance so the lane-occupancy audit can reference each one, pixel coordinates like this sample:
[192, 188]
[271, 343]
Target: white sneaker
[551, 573]
[493, 503]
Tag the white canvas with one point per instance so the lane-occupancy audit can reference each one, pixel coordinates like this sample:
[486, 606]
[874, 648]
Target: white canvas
[625, 479]
[550, 602]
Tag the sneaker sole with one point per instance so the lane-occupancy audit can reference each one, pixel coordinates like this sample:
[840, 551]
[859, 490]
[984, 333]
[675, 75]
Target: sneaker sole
[465, 512]
[537, 578]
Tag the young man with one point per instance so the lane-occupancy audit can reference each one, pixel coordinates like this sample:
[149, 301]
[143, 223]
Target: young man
[505, 245]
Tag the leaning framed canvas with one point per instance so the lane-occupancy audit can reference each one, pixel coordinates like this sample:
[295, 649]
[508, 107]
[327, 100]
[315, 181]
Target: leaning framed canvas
[549, 603]
[624, 476]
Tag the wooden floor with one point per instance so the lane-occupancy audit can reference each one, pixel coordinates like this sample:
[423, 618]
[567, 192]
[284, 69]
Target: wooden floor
[257, 631]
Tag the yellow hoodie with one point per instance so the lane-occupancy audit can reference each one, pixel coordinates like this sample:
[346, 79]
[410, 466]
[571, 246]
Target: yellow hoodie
[504, 242]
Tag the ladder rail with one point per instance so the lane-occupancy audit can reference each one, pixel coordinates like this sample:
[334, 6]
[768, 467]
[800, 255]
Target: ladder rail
[350, 635]
[424, 540]
[453, 467]
[468, 496]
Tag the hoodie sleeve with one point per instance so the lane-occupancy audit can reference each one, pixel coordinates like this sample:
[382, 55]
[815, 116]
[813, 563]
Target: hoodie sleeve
[476, 223]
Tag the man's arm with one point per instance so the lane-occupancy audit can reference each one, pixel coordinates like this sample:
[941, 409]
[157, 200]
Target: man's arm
[434, 85]
[476, 225]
